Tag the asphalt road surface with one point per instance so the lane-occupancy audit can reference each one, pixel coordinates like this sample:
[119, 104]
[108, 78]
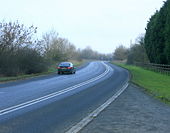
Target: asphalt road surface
[54, 104]
[133, 112]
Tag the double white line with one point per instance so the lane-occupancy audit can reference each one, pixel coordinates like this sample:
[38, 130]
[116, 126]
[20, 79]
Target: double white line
[49, 96]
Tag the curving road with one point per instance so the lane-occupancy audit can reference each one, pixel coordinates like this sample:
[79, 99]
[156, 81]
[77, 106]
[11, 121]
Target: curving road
[54, 104]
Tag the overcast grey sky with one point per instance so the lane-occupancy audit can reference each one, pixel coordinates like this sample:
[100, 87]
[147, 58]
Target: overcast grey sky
[100, 24]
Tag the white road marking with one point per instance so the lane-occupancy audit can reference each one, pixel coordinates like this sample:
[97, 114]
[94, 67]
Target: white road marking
[49, 96]
[79, 126]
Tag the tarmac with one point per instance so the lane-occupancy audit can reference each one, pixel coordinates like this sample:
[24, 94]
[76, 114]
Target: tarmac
[133, 112]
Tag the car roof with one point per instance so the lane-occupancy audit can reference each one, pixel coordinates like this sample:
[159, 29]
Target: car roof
[65, 63]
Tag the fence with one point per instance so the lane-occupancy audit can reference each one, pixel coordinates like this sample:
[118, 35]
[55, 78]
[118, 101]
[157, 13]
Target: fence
[161, 68]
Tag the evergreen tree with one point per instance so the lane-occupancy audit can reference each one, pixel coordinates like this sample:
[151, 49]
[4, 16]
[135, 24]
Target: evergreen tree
[157, 37]
[167, 33]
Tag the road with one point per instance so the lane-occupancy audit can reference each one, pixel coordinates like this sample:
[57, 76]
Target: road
[134, 111]
[54, 104]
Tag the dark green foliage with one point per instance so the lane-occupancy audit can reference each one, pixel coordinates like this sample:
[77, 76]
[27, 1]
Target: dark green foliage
[8, 64]
[24, 61]
[30, 61]
[157, 37]
[167, 33]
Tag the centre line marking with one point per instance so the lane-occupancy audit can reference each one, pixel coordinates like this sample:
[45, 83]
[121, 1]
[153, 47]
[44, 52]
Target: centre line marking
[49, 96]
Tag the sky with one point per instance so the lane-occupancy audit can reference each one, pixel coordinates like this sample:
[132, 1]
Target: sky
[101, 24]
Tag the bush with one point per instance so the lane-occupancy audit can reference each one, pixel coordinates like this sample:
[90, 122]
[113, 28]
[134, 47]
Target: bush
[19, 51]
[30, 61]
[24, 61]
[9, 65]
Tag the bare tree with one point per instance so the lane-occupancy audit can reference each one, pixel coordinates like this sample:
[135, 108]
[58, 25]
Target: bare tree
[19, 50]
[120, 53]
[137, 52]
[14, 35]
[58, 48]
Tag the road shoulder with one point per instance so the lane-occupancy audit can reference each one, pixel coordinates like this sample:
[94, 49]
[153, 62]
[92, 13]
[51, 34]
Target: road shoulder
[133, 112]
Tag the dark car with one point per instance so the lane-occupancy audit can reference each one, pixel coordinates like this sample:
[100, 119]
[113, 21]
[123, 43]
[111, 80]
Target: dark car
[66, 67]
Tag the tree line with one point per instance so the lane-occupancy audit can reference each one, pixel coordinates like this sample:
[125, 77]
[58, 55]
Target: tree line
[136, 52]
[22, 53]
[154, 45]
[157, 37]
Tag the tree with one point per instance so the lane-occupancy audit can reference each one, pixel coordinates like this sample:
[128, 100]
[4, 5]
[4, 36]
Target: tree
[87, 53]
[57, 48]
[167, 33]
[157, 36]
[19, 52]
[120, 53]
[137, 52]
[14, 35]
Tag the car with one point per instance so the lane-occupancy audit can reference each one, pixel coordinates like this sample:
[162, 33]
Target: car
[66, 67]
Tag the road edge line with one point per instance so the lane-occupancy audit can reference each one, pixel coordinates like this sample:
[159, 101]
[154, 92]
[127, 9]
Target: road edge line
[80, 125]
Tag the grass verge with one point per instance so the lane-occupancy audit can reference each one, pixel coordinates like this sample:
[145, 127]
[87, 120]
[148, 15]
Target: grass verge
[20, 77]
[155, 83]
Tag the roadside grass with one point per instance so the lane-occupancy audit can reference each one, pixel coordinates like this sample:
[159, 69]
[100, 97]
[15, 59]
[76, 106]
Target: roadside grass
[155, 83]
[19, 77]
[52, 69]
